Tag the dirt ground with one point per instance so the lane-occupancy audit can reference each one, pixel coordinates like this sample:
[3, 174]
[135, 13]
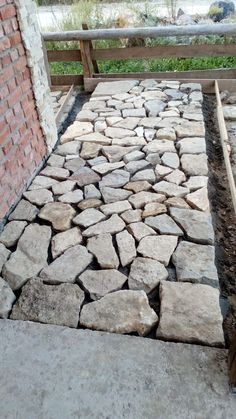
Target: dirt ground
[224, 219]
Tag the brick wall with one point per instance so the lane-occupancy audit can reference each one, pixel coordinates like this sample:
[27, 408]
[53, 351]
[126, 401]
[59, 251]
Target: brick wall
[22, 142]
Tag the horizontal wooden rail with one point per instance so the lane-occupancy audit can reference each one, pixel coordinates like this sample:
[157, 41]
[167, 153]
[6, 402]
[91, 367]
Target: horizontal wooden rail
[150, 32]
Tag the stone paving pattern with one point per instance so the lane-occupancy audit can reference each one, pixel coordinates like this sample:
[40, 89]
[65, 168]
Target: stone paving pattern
[118, 218]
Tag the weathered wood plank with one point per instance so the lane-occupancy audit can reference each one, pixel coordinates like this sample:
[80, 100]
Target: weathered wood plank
[65, 55]
[87, 63]
[67, 80]
[95, 65]
[62, 107]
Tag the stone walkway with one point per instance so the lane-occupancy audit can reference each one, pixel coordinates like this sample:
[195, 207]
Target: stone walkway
[115, 233]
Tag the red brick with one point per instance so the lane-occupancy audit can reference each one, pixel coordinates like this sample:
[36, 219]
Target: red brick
[15, 38]
[7, 74]
[4, 44]
[21, 50]
[14, 97]
[14, 54]
[4, 135]
[14, 23]
[4, 92]
[12, 85]
[7, 27]
[6, 60]
[7, 12]
[20, 64]
[7, 147]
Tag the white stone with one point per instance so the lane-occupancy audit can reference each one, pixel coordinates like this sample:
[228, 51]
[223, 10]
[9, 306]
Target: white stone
[42, 182]
[166, 134]
[146, 274]
[139, 113]
[140, 199]
[89, 217]
[194, 164]
[56, 160]
[116, 179]
[24, 211]
[107, 167]
[190, 129]
[100, 283]
[132, 216]
[164, 224]
[76, 130]
[102, 248]
[95, 138]
[72, 197]
[196, 182]
[12, 232]
[170, 189]
[73, 147]
[4, 255]
[177, 177]
[63, 187]
[57, 173]
[115, 153]
[90, 191]
[114, 87]
[147, 175]
[133, 156]
[115, 207]
[160, 146]
[170, 160]
[63, 241]
[85, 176]
[193, 145]
[162, 171]
[7, 298]
[159, 248]
[154, 208]
[135, 166]
[114, 194]
[129, 141]
[126, 247]
[114, 132]
[140, 230]
[113, 225]
[86, 116]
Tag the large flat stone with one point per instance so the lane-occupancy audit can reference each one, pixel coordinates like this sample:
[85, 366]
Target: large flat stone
[63, 241]
[123, 311]
[159, 248]
[126, 247]
[115, 207]
[59, 214]
[49, 304]
[57, 173]
[24, 211]
[190, 129]
[164, 224]
[114, 87]
[76, 129]
[140, 199]
[190, 313]
[68, 266]
[100, 283]
[42, 182]
[194, 164]
[113, 225]
[193, 145]
[95, 138]
[146, 274]
[115, 153]
[30, 256]
[85, 176]
[195, 263]
[111, 195]
[12, 232]
[89, 217]
[140, 230]
[102, 248]
[116, 179]
[170, 189]
[39, 197]
[199, 199]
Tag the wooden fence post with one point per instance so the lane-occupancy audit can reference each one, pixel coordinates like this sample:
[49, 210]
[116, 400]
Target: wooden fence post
[95, 65]
[232, 365]
[45, 56]
[88, 64]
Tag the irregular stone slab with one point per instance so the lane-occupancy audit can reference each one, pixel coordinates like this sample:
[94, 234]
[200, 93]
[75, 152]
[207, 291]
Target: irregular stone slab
[140, 199]
[57, 173]
[89, 203]
[30, 256]
[89, 217]
[129, 141]
[149, 134]
[170, 189]
[76, 130]
[90, 150]
[147, 174]
[193, 145]
[56, 160]
[154, 94]
[49, 304]
[114, 87]
[154, 107]
[112, 120]
[115, 207]
[97, 161]
[7, 298]
[164, 224]
[190, 129]
[133, 156]
[150, 122]
[100, 283]
[159, 248]
[12, 232]
[174, 93]
[59, 214]
[159, 146]
[190, 313]
[177, 177]
[104, 168]
[162, 171]
[68, 266]
[115, 153]
[86, 116]
[172, 113]
[197, 225]
[73, 147]
[138, 186]
[134, 166]
[4, 255]
[95, 105]
[116, 179]
[74, 164]
[194, 164]
[128, 123]
[140, 230]
[154, 208]
[95, 138]
[196, 182]
[132, 216]
[102, 248]
[114, 132]
[190, 87]
[146, 274]
[39, 197]
[199, 199]
[123, 311]
[170, 159]
[195, 263]
[138, 113]
[63, 187]
[63, 241]
[114, 194]
[72, 197]
[166, 134]
[193, 116]
[42, 182]
[126, 247]
[90, 191]
[113, 225]
[229, 112]
[24, 211]
[85, 176]
[177, 202]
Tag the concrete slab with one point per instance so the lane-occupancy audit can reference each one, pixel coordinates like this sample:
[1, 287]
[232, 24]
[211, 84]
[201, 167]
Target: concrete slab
[49, 372]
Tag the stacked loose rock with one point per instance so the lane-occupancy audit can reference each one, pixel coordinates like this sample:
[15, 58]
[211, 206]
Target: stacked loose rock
[121, 204]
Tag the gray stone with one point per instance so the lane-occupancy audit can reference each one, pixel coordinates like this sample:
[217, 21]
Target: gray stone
[197, 225]
[114, 87]
[39, 197]
[177, 202]
[174, 94]
[49, 304]
[59, 214]
[146, 274]
[171, 160]
[100, 283]
[115, 153]
[133, 156]
[72, 197]
[89, 203]
[97, 160]
[102, 248]
[107, 167]
[193, 145]
[195, 263]
[147, 174]
[199, 199]
[24, 211]
[56, 160]
[138, 113]
[113, 225]
[190, 87]
[90, 191]
[123, 311]
[159, 248]
[95, 105]
[90, 150]
[7, 298]
[132, 216]
[138, 186]
[12, 232]
[135, 166]
[229, 112]
[149, 134]
[154, 208]
[115, 207]
[74, 164]
[116, 179]
[63, 241]
[190, 129]
[86, 116]
[112, 120]
[95, 138]
[129, 141]
[193, 116]
[154, 94]
[100, 126]
[170, 189]
[190, 313]
[126, 247]
[162, 171]
[63, 187]
[42, 182]
[177, 177]
[140, 199]
[164, 224]
[73, 147]
[30, 256]
[154, 107]
[68, 266]
[196, 182]
[57, 173]
[150, 122]
[76, 129]
[128, 123]
[160, 146]
[114, 194]
[89, 217]
[114, 132]
[85, 176]
[140, 230]
[166, 134]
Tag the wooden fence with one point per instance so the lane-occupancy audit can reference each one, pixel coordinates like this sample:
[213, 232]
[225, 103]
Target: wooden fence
[89, 56]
